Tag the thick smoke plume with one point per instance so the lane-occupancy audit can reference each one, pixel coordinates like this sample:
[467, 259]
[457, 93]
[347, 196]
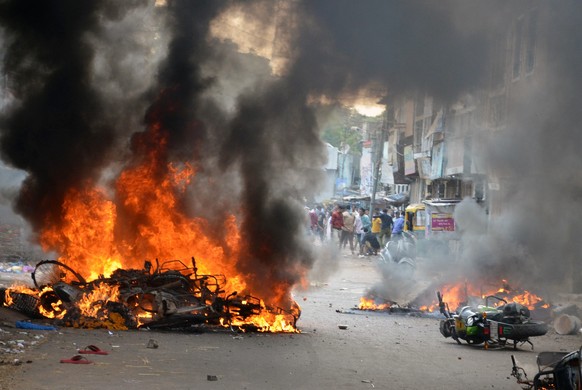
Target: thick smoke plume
[441, 48]
[56, 132]
[99, 85]
[75, 99]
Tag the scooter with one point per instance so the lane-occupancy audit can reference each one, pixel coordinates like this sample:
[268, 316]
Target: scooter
[400, 251]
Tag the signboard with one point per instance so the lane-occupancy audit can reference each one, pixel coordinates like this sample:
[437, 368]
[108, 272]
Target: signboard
[366, 171]
[387, 176]
[442, 222]
[332, 160]
[340, 184]
[392, 155]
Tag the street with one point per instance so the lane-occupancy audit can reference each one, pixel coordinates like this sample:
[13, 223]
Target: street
[174, 163]
[376, 350]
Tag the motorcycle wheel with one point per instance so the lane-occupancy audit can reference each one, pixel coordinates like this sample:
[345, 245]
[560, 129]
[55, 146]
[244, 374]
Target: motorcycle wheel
[531, 329]
[446, 327]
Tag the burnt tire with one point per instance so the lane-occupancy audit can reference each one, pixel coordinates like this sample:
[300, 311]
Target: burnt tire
[530, 329]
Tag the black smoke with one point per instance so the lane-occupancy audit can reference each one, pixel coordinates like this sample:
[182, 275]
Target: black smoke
[261, 155]
[441, 48]
[56, 132]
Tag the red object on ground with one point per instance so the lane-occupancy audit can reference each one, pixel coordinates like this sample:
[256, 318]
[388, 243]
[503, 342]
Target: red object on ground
[77, 359]
[94, 350]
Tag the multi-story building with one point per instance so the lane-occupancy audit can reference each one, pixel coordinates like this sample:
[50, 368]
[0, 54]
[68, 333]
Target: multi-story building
[437, 148]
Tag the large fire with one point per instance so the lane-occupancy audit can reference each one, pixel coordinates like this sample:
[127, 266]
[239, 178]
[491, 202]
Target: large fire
[142, 218]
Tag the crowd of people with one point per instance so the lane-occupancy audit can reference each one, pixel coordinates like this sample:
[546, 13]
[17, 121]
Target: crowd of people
[364, 234]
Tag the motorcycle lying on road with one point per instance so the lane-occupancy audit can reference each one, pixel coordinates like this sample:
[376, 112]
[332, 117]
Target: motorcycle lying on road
[400, 250]
[492, 326]
[556, 370]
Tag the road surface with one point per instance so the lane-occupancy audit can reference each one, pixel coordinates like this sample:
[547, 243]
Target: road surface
[376, 350]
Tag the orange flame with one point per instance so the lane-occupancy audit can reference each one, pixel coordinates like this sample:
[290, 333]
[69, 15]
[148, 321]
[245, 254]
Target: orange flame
[456, 295]
[93, 302]
[143, 218]
[370, 304]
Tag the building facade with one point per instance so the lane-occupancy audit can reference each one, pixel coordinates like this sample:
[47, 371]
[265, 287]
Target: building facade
[438, 149]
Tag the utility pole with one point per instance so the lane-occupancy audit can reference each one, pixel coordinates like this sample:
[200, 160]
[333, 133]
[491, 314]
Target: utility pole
[377, 160]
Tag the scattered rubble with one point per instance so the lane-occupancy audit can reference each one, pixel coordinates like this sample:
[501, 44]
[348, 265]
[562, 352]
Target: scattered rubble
[15, 341]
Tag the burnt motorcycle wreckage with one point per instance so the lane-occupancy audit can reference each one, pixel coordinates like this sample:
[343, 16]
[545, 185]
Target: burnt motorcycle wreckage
[492, 326]
[170, 295]
[556, 370]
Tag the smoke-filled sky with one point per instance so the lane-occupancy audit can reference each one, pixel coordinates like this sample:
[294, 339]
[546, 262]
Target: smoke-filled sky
[85, 79]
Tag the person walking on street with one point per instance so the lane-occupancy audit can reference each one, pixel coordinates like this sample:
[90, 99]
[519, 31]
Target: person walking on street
[337, 222]
[376, 224]
[386, 228]
[366, 224]
[347, 232]
[366, 221]
[398, 226]
[358, 231]
[320, 222]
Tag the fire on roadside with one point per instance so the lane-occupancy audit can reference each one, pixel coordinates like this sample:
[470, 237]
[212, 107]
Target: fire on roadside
[143, 217]
[458, 294]
[369, 303]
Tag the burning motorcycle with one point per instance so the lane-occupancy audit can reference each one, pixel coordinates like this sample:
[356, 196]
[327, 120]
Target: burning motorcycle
[400, 251]
[556, 370]
[490, 325]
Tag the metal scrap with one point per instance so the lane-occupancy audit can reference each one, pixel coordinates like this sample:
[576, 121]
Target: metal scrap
[170, 295]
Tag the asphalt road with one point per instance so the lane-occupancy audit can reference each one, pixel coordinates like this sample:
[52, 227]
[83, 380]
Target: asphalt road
[377, 350]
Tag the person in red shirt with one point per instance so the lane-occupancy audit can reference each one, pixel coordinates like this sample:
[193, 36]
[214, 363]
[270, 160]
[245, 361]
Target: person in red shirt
[337, 221]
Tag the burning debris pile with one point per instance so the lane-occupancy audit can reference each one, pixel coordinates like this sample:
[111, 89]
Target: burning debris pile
[457, 295]
[123, 165]
[170, 295]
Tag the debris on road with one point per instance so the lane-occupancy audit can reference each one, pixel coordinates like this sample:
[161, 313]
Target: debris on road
[153, 344]
[171, 295]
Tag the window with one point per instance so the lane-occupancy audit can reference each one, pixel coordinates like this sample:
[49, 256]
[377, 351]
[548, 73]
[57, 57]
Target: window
[517, 48]
[420, 218]
[439, 190]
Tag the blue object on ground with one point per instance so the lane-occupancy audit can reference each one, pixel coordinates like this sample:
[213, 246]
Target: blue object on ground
[30, 325]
